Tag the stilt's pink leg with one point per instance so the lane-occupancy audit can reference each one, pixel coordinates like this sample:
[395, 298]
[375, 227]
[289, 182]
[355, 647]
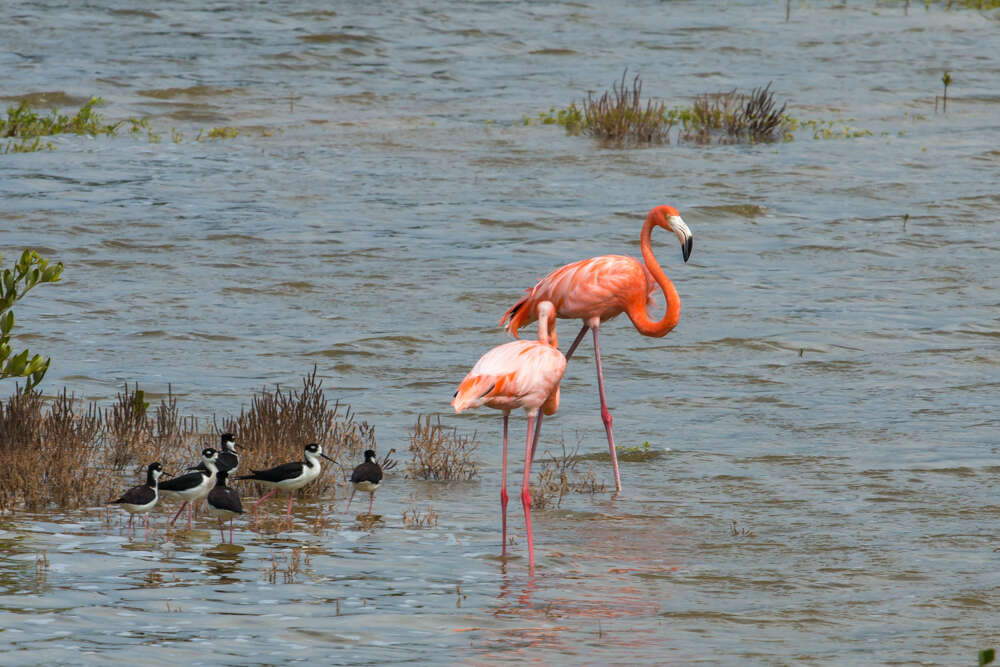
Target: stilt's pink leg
[605, 415]
[371, 501]
[288, 514]
[190, 514]
[128, 531]
[179, 513]
[350, 499]
[262, 499]
[230, 531]
[503, 488]
[222, 533]
[526, 495]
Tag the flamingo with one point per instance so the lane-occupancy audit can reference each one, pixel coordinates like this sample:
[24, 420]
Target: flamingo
[601, 288]
[519, 374]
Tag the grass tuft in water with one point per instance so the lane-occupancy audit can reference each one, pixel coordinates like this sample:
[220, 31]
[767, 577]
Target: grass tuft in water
[29, 126]
[413, 517]
[559, 476]
[440, 453]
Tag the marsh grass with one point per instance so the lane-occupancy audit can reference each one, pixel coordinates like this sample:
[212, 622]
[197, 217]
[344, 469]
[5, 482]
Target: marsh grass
[278, 425]
[62, 452]
[619, 116]
[561, 475]
[440, 453]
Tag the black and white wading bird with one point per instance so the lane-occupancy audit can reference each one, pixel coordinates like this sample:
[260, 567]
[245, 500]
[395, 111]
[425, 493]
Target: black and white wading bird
[229, 458]
[289, 476]
[141, 499]
[224, 503]
[193, 486]
[366, 478]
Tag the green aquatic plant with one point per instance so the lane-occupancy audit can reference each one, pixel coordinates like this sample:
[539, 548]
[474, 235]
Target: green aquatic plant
[946, 80]
[28, 272]
[986, 656]
[27, 125]
[219, 133]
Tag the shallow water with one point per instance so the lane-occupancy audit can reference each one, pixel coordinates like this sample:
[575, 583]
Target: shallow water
[832, 385]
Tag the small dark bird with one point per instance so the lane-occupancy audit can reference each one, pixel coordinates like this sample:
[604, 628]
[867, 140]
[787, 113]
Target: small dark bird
[141, 499]
[229, 458]
[224, 503]
[289, 476]
[366, 477]
[193, 486]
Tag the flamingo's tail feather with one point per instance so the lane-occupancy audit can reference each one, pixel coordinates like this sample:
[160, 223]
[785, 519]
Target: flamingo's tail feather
[476, 389]
[517, 315]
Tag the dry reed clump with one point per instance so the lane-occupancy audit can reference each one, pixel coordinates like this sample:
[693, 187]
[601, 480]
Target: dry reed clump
[560, 476]
[618, 116]
[744, 117]
[56, 457]
[440, 453]
[277, 427]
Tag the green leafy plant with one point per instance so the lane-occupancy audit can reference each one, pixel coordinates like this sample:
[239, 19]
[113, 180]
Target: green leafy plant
[986, 656]
[30, 270]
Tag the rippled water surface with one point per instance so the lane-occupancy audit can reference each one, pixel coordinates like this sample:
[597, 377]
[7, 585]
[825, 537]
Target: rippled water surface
[832, 386]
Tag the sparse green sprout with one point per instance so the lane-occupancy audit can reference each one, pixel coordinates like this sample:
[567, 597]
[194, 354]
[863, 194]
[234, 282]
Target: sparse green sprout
[946, 80]
[30, 270]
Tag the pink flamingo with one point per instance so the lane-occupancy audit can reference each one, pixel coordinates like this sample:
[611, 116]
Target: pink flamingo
[519, 374]
[600, 288]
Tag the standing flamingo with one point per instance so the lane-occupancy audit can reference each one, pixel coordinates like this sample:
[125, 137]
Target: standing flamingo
[519, 374]
[600, 288]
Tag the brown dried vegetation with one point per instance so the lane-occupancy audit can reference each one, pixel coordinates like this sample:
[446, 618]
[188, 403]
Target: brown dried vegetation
[440, 453]
[560, 476]
[56, 453]
[278, 426]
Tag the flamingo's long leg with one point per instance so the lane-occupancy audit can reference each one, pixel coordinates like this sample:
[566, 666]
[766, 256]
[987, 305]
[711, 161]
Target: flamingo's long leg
[503, 488]
[576, 342]
[526, 494]
[605, 415]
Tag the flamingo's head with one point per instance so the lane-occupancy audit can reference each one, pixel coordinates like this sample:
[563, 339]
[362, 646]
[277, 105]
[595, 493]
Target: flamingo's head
[668, 218]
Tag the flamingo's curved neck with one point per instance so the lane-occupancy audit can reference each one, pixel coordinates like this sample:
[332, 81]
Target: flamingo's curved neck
[637, 309]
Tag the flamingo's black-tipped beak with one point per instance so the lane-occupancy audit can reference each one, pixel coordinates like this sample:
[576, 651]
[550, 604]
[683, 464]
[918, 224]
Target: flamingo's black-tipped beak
[684, 235]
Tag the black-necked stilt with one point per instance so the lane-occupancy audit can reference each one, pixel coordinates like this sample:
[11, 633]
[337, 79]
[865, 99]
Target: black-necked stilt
[289, 476]
[224, 503]
[140, 499]
[366, 477]
[229, 458]
[193, 486]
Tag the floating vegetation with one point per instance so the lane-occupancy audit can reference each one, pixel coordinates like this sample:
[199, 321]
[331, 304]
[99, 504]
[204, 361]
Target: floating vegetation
[440, 453]
[218, 133]
[28, 126]
[559, 476]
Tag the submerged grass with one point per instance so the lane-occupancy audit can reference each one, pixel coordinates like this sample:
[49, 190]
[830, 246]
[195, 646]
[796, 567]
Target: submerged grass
[561, 475]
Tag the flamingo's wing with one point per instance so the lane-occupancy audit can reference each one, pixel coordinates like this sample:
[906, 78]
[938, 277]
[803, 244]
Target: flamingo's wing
[593, 287]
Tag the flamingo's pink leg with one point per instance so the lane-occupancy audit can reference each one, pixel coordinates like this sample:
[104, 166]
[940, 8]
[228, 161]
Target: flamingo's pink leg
[526, 495]
[605, 415]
